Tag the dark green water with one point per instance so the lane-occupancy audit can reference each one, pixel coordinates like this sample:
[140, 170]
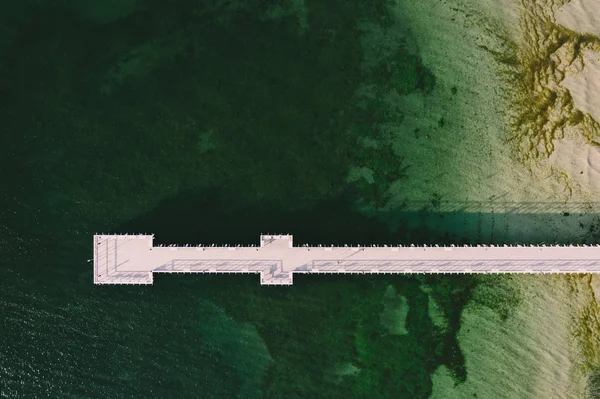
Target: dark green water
[203, 123]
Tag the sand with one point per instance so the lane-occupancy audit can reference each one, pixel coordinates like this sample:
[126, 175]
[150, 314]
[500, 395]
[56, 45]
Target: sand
[469, 159]
[584, 86]
[581, 16]
[469, 164]
[528, 355]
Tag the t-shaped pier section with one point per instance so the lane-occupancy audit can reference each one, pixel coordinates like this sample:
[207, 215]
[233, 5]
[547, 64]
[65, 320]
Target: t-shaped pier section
[132, 259]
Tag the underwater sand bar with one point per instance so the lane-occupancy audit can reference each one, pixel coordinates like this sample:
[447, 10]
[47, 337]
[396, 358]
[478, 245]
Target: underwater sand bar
[132, 259]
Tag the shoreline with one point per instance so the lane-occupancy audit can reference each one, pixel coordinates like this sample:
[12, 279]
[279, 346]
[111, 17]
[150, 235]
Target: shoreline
[481, 100]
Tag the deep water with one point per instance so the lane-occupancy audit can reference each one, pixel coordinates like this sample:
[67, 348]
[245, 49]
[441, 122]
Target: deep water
[205, 122]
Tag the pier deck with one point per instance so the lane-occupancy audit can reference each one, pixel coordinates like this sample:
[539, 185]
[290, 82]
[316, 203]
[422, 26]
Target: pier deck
[132, 259]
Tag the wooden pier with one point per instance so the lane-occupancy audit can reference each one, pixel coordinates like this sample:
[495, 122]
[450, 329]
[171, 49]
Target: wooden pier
[132, 259]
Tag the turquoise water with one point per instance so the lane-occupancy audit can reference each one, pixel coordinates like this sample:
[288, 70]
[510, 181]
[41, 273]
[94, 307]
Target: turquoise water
[213, 123]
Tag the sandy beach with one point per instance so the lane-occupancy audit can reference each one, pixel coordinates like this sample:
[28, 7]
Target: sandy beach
[476, 104]
[530, 71]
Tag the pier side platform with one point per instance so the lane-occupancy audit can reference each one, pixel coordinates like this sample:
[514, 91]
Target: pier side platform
[132, 259]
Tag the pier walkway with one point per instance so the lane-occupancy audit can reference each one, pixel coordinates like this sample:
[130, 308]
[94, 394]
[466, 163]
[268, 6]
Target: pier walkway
[132, 259]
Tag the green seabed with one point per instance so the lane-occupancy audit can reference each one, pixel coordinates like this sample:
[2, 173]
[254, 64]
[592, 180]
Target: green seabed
[213, 123]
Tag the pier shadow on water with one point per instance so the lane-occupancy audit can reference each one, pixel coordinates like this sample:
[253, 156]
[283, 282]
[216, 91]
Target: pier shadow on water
[209, 216]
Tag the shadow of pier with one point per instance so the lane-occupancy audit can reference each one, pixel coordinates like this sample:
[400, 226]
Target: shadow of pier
[203, 216]
[498, 206]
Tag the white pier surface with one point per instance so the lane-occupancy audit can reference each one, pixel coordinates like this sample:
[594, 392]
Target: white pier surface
[132, 259]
